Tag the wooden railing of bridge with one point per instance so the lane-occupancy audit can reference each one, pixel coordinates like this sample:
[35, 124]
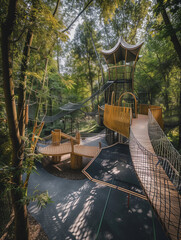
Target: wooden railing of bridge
[155, 110]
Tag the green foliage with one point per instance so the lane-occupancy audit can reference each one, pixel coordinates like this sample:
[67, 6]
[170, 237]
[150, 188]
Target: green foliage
[90, 126]
[129, 18]
[174, 11]
[82, 63]
[173, 136]
[41, 198]
[108, 8]
[156, 73]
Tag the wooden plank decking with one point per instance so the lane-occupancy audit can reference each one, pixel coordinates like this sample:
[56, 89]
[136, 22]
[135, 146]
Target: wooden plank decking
[160, 191]
[86, 151]
[65, 148]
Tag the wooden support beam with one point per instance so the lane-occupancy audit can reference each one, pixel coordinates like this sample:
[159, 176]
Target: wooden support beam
[125, 63]
[115, 65]
[35, 140]
[76, 161]
[56, 159]
[34, 129]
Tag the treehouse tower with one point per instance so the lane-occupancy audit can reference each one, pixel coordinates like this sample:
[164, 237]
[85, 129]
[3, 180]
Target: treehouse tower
[121, 61]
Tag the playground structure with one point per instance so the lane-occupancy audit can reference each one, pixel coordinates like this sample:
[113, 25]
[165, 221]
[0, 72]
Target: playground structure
[156, 162]
[158, 176]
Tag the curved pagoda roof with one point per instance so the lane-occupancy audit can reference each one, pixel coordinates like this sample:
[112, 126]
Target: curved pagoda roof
[118, 52]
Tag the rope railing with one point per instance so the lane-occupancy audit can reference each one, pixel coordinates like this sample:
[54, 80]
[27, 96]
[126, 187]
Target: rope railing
[170, 157]
[160, 192]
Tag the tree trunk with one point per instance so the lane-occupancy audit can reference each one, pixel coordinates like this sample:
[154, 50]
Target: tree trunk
[21, 218]
[180, 118]
[22, 85]
[91, 83]
[98, 58]
[172, 32]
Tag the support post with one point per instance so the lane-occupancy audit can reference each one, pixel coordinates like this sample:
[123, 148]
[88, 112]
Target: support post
[77, 136]
[56, 159]
[76, 160]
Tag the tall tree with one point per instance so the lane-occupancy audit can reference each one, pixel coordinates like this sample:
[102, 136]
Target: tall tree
[20, 209]
[172, 29]
[40, 21]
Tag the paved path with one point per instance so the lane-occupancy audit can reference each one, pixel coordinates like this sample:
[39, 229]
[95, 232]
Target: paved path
[78, 205]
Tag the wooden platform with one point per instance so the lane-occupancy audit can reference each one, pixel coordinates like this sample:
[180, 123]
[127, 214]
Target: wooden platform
[65, 148]
[159, 189]
[86, 151]
[56, 150]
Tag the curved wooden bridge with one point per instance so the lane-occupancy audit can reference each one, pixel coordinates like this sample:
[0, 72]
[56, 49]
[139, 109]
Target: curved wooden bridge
[160, 191]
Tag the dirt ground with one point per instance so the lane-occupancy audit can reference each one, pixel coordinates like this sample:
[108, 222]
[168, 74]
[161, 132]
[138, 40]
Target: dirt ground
[36, 232]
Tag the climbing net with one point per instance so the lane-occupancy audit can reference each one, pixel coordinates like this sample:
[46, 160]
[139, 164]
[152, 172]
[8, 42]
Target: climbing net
[70, 107]
[170, 159]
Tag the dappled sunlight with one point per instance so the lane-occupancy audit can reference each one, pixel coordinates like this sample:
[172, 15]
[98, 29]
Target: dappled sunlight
[137, 209]
[105, 162]
[69, 203]
[128, 166]
[108, 236]
[80, 227]
[106, 177]
[71, 217]
[135, 188]
[119, 220]
[149, 214]
[114, 171]
[146, 226]
[34, 209]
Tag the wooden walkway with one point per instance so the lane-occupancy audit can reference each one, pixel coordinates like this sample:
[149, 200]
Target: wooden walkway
[159, 189]
[65, 148]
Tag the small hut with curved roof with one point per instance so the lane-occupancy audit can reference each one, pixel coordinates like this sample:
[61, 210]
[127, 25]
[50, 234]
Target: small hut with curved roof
[121, 61]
